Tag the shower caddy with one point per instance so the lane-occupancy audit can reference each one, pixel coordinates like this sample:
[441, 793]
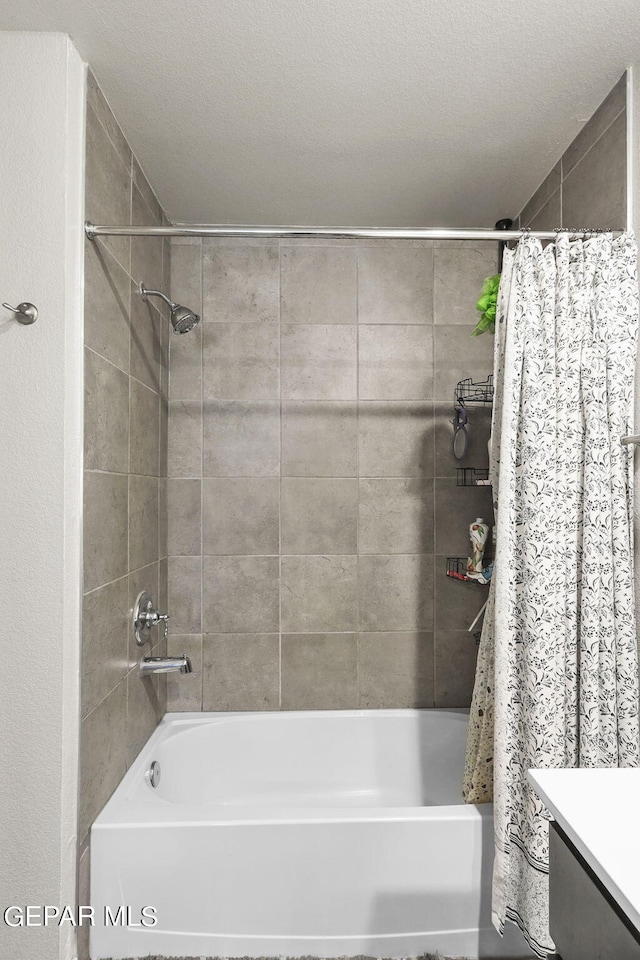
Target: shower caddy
[469, 391]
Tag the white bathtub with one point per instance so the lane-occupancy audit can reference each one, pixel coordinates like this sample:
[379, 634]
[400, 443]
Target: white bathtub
[313, 833]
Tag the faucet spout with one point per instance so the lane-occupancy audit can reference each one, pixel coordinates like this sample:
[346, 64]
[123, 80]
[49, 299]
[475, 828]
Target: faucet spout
[151, 665]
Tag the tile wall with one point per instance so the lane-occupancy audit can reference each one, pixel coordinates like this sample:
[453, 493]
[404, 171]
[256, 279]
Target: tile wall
[126, 348]
[588, 185]
[311, 490]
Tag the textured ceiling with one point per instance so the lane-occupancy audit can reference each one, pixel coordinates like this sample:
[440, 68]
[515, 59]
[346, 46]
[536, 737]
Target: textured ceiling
[358, 112]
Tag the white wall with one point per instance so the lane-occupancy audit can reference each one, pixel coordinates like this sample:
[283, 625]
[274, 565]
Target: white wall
[42, 94]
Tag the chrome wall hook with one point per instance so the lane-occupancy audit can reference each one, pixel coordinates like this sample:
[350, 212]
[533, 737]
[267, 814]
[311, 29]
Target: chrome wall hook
[25, 312]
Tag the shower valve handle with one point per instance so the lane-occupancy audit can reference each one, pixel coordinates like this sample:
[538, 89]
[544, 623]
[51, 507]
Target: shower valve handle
[145, 616]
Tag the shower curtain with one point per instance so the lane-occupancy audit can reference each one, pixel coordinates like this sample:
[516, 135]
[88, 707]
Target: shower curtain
[557, 679]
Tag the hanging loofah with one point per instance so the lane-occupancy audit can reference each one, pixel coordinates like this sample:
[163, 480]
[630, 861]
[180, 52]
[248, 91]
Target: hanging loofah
[487, 306]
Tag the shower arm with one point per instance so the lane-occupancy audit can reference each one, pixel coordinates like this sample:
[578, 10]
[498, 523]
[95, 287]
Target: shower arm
[144, 293]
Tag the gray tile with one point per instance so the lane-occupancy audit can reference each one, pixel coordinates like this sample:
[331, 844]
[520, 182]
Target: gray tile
[146, 341]
[97, 102]
[105, 528]
[143, 580]
[395, 362]
[107, 293]
[319, 594]
[395, 593]
[147, 193]
[241, 361]
[102, 755]
[459, 273]
[162, 518]
[319, 671]
[184, 511]
[185, 380]
[144, 430]
[455, 668]
[240, 594]
[606, 113]
[456, 507]
[241, 439]
[185, 594]
[318, 362]
[144, 711]
[107, 186]
[84, 897]
[319, 516]
[395, 516]
[241, 672]
[458, 355]
[549, 186]
[240, 282]
[164, 436]
[395, 670]
[478, 433]
[166, 259]
[548, 217]
[143, 521]
[166, 333]
[186, 272]
[106, 415]
[160, 680]
[147, 252]
[456, 602]
[318, 284]
[184, 691]
[286, 242]
[184, 453]
[163, 584]
[395, 284]
[241, 516]
[319, 439]
[105, 626]
[595, 192]
[396, 439]
[185, 365]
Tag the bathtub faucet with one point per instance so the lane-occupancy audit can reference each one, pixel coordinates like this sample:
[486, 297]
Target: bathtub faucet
[151, 665]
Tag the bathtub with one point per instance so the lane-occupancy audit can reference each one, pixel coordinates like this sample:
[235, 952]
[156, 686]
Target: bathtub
[299, 834]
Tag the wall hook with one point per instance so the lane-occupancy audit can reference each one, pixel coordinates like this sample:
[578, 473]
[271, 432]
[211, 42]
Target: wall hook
[24, 313]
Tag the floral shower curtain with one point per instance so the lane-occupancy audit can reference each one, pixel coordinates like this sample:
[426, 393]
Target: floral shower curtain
[557, 680]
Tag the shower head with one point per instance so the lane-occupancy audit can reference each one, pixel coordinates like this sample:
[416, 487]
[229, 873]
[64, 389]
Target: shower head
[182, 319]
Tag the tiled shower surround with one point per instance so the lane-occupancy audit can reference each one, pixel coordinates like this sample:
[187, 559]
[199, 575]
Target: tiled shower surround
[312, 497]
[126, 350]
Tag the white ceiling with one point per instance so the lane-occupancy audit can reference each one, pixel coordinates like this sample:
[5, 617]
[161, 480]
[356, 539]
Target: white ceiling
[352, 112]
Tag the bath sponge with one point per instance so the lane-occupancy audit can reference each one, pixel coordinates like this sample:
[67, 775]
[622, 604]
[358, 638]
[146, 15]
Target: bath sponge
[487, 306]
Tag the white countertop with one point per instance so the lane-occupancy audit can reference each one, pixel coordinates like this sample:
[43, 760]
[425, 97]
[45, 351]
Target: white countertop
[599, 810]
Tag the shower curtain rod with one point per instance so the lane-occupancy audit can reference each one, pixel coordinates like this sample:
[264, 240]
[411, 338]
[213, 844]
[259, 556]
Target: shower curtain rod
[238, 230]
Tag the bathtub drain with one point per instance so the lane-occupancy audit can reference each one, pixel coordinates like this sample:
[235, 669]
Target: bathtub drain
[153, 773]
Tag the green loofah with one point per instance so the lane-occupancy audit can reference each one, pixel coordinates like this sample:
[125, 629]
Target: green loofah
[487, 306]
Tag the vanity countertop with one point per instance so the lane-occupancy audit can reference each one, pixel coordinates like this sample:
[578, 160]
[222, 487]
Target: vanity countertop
[599, 811]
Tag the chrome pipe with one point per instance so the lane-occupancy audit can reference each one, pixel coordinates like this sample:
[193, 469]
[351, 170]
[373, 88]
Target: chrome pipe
[93, 230]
